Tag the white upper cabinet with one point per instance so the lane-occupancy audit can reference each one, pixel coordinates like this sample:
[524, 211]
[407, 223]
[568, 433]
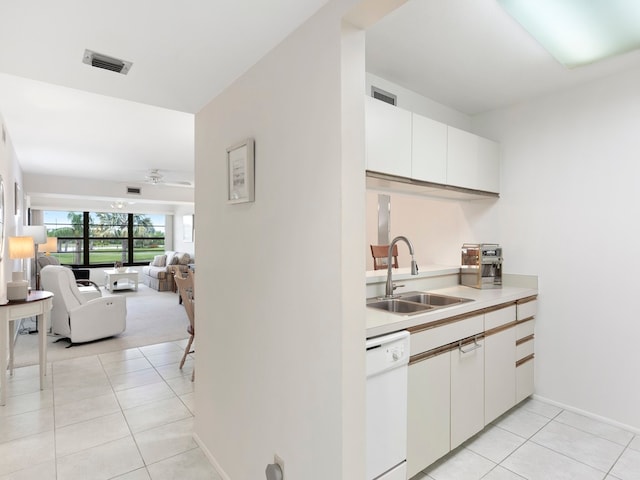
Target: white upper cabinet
[388, 138]
[489, 165]
[429, 156]
[405, 144]
[472, 161]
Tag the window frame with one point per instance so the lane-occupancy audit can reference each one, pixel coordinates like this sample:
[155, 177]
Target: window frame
[130, 239]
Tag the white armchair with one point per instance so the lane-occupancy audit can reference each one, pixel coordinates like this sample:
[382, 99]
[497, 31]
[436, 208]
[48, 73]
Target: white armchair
[74, 316]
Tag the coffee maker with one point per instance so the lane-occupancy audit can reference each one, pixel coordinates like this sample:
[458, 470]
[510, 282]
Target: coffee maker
[481, 265]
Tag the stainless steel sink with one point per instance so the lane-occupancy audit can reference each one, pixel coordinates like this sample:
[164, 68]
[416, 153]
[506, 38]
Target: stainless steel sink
[433, 299]
[399, 306]
[410, 303]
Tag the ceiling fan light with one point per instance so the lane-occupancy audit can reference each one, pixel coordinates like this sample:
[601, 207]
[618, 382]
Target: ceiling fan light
[579, 32]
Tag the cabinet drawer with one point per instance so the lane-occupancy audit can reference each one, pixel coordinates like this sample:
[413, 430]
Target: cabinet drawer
[525, 329]
[26, 310]
[425, 340]
[499, 317]
[524, 380]
[524, 349]
[527, 309]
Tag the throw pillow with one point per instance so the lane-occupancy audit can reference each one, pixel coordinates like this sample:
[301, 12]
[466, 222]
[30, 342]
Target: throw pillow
[159, 261]
[174, 260]
[43, 261]
[184, 258]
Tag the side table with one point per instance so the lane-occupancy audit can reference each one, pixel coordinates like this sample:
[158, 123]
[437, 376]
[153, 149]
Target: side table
[39, 304]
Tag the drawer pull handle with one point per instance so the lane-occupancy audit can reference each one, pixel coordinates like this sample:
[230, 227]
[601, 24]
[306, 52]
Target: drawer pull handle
[475, 346]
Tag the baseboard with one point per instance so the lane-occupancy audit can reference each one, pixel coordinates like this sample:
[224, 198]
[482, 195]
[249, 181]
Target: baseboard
[587, 414]
[211, 458]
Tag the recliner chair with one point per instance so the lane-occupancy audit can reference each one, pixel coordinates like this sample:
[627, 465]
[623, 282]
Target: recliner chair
[76, 318]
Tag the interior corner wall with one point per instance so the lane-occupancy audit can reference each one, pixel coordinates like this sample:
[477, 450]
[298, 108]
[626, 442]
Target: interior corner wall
[271, 357]
[569, 213]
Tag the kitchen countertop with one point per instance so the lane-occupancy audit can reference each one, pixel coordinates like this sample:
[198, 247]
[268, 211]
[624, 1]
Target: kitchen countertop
[380, 322]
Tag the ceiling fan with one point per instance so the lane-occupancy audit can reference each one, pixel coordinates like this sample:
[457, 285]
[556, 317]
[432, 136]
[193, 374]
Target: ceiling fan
[154, 177]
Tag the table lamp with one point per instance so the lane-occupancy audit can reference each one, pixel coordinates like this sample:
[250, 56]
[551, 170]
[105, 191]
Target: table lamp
[19, 249]
[50, 246]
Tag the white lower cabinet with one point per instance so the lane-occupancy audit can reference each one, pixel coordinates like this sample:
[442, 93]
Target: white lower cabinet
[524, 379]
[467, 391]
[500, 373]
[429, 408]
[526, 311]
[458, 387]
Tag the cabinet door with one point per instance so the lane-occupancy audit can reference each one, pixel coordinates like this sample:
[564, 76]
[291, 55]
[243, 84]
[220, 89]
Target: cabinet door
[429, 150]
[467, 392]
[428, 412]
[488, 166]
[524, 379]
[499, 373]
[472, 161]
[462, 152]
[388, 138]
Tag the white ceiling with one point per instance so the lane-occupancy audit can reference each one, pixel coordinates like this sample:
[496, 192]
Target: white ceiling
[66, 118]
[471, 56]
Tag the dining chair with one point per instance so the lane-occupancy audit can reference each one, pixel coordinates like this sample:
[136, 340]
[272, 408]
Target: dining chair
[186, 291]
[380, 254]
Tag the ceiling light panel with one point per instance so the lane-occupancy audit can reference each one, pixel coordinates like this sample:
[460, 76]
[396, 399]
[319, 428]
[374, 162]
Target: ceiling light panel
[579, 32]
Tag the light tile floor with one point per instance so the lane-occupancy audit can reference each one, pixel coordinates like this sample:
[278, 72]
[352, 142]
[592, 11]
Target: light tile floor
[538, 441]
[125, 415]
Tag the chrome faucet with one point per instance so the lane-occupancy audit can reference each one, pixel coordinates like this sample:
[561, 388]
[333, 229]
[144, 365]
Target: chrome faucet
[414, 265]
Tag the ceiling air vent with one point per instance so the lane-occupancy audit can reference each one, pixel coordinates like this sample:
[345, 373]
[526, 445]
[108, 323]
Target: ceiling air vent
[105, 62]
[134, 190]
[386, 97]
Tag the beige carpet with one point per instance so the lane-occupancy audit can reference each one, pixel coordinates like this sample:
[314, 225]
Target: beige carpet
[152, 317]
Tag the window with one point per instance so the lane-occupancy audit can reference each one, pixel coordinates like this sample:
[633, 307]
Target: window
[103, 238]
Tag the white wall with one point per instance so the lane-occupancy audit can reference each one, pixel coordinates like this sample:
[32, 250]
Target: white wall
[414, 102]
[12, 223]
[280, 365]
[569, 213]
[178, 230]
[437, 227]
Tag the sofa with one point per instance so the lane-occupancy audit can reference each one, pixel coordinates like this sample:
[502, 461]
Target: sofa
[159, 273]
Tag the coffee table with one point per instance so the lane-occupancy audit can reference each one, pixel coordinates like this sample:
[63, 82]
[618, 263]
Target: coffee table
[120, 280]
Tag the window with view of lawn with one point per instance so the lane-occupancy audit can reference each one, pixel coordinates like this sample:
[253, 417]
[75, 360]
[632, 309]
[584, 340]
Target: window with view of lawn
[103, 238]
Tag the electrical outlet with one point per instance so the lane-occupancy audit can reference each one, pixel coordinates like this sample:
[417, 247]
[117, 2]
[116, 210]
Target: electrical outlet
[280, 462]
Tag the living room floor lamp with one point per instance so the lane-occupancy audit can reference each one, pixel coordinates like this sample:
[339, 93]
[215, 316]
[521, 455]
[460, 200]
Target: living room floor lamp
[39, 235]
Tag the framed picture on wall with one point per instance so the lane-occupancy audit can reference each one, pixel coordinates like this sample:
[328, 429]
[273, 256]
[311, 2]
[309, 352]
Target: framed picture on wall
[240, 172]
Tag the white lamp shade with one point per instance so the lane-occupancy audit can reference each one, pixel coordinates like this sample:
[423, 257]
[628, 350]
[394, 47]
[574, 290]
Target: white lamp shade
[21, 247]
[37, 232]
[50, 246]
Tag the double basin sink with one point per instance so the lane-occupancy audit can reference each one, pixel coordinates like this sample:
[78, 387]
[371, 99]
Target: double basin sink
[410, 303]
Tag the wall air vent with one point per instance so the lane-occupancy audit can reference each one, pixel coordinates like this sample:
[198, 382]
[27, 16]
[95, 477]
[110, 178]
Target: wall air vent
[134, 191]
[386, 97]
[105, 62]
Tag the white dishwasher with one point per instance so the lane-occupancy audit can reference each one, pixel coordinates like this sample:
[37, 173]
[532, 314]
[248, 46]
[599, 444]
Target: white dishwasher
[387, 369]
